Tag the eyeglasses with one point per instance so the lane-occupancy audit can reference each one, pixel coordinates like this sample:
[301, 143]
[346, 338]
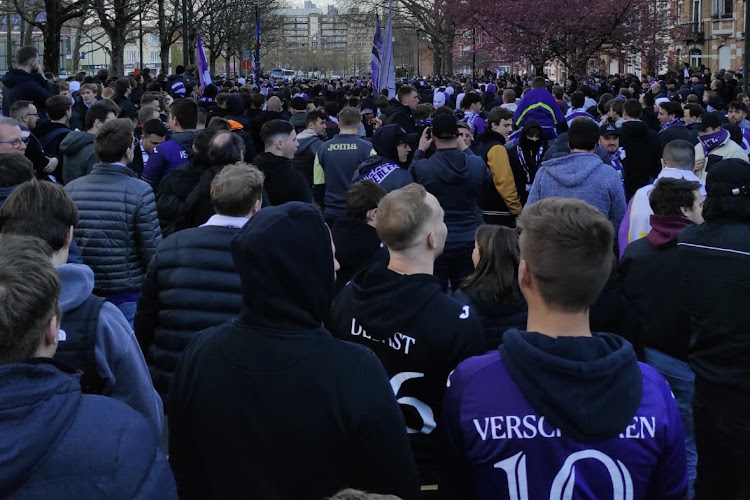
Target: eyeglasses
[16, 143]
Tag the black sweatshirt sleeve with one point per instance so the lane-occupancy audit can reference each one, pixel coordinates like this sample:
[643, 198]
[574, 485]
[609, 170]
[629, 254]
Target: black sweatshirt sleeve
[387, 464]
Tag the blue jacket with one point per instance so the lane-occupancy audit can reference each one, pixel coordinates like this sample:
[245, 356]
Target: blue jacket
[457, 180]
[119, 361]
[118, 228]
[168, 156]
[58, 443]
[583, 176]
[541, 106]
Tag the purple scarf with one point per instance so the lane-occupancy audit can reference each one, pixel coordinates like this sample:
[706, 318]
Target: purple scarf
[712, 141]
[674, 122]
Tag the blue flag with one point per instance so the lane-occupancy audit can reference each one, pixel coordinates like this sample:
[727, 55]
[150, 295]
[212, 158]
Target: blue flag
[377, 46]
[387, 74]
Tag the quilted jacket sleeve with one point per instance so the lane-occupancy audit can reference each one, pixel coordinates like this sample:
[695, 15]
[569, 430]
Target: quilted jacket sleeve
[148, 232]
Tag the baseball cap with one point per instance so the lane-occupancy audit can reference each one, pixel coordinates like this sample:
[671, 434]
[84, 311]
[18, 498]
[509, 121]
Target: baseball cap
[609, 129]
[444, 126]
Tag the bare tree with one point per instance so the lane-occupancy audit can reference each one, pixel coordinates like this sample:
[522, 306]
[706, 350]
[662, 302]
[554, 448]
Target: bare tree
[57, 13]
[116, 18]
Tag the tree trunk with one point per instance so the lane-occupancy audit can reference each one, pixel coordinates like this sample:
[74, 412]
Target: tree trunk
[164, 56]
[117, 66]
[52, 48]
[51, 37]
[448, 56]
[77, 46]
[212, 57]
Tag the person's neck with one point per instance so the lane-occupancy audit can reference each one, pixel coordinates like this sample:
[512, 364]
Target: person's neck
[61, 121]
[60, 257]
[628, 119]
[403, 264]
[575, 150]
[275, 153]
[446, 144]
[177, 129]
[27, 69]
[348, 131]
[555, 324]
[687, 169]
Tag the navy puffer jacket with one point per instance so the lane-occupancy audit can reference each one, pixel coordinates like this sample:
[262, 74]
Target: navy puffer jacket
[118, 227]
[191, 285]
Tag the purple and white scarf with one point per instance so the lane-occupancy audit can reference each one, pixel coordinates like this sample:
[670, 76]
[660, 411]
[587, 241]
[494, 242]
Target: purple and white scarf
[674, 122]
[712, 141]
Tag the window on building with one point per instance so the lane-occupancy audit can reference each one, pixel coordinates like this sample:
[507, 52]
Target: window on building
[155, 56]
[132, 56]
[722, 8]
[696, 14]
[696, 57]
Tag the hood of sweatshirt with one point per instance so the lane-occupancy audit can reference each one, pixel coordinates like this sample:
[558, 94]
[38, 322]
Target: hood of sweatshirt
[306, 138]
[665, 229]
[450, 165]
[185, 140]
[37, 405]
[573, 169]
[235, 105]
[284, 258]
[77, 285]
[588, 387]
[635, 128]
[377, 288]
[386, 139]
[43, 128]
[75, 141]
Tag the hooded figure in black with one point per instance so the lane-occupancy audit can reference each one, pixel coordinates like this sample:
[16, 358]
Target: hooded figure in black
[526, 156]
[387, 168]
[319, 413]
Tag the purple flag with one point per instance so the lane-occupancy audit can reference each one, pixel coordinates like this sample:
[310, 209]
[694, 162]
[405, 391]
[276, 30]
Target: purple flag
[203, 73]
[377, 46]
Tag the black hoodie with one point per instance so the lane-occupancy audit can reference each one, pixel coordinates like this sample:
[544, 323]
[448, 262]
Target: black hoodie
[420, 334]
[270, 405]
[283, 183]
[641, 163]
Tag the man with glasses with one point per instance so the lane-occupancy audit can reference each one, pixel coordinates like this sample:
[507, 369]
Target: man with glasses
[11, 137]
[27, 116]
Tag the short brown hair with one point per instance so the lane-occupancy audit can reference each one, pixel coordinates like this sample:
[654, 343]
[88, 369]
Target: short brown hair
[568, 246]
[89, 86]
[362, 197]
[113, 139]
[99, 111]
[401, 215]
[29, 290]
[350, 117]
[695, 109]
[670, 195]
[25, 54]
[236, 189]
[57, 106]
[499, 114]
[40, 209]
[405, 91]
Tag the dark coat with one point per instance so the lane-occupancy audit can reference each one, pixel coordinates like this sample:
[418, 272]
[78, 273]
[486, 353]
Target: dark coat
[283, 183]
[23, 86]
[191, 285]
[641, 162]
[497, 317]
[118, 228]
[66, 445]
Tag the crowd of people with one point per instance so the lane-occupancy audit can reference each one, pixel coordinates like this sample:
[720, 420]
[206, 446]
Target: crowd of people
[480, 288]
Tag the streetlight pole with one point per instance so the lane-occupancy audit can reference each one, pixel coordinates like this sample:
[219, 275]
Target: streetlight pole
[140, 31]
[746, 67]
[184, 33]
[473, 52]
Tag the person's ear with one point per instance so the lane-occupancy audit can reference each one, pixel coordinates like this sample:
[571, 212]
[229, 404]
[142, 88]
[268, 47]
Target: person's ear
[68, 239]
[371, 214]
[431, 241]
[685, 211]
[279, 144]
[256, 206]
[524, 275]
[663, 163]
